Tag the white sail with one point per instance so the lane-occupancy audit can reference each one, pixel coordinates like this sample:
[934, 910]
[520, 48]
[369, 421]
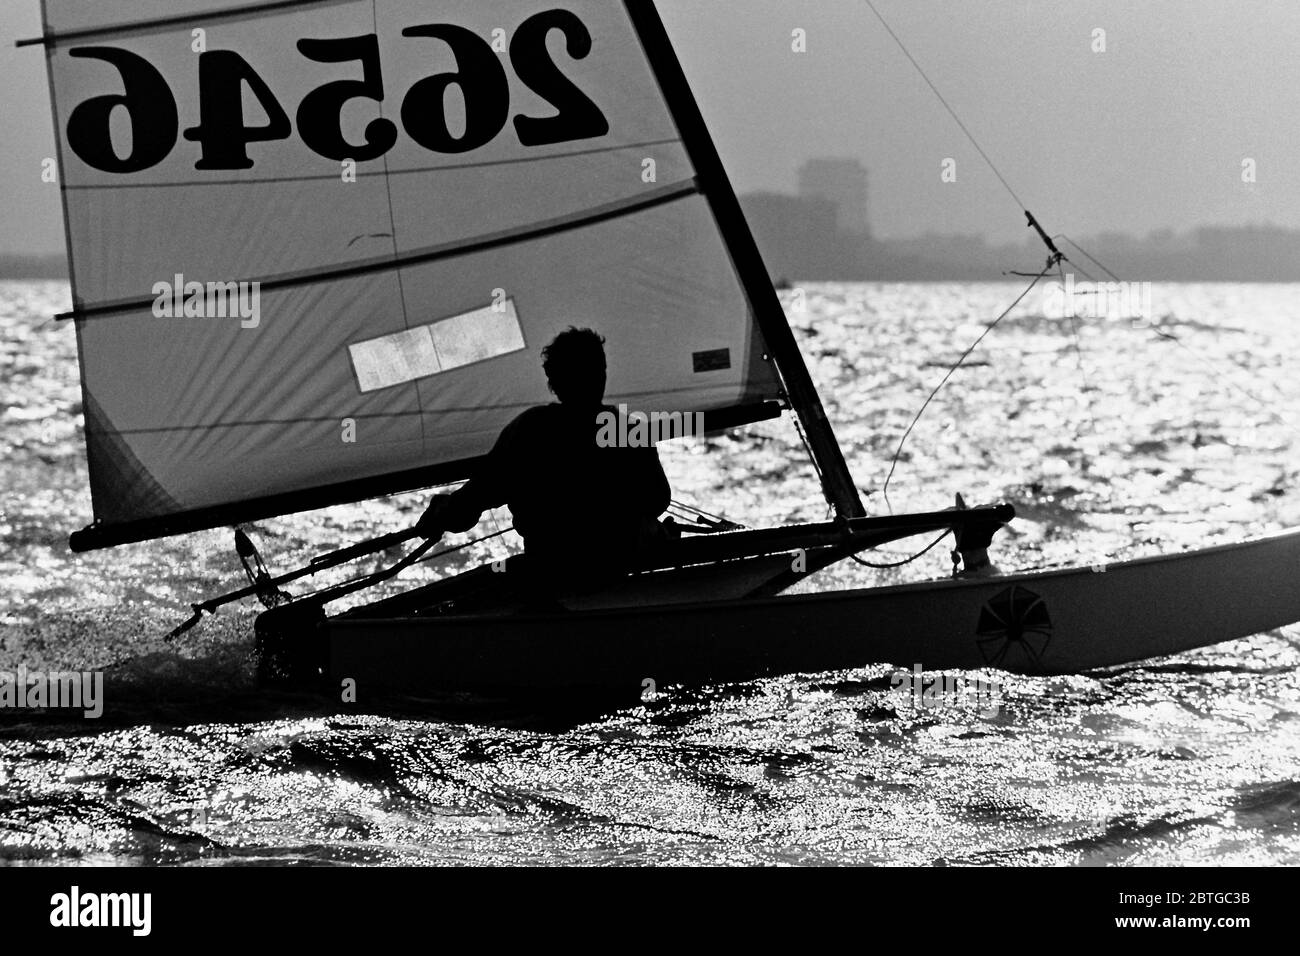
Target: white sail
[412, 197]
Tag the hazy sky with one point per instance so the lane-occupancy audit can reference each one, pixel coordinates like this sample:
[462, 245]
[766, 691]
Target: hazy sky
[1149, 134]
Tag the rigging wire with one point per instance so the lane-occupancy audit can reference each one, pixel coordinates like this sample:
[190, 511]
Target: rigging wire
[690, 509]
[461, 547]
[1086, 255]
[431, 557]
[813, 458]
[1055, 258]
[951, 112]
[698, 515]
[965, 355]
[1078, 362]
[898, 564]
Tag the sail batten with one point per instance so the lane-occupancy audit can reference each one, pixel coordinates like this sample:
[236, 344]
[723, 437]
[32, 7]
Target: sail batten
[107, 535]
[388, 263]
[419, 170]
[203, 13]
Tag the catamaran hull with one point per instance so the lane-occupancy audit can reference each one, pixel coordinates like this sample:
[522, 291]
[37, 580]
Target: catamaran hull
[1049, 622]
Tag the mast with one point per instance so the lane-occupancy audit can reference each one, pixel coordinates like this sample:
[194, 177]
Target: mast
[837, 482]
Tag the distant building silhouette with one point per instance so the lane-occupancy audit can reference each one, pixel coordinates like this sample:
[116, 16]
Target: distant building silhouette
[809, 237]
[796, 236]
[844, 183]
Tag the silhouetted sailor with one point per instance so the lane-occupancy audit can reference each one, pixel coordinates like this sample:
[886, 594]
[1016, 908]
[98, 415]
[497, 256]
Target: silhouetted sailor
[585, 512]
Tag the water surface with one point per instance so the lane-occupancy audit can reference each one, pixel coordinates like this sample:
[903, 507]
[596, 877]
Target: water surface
[1114, 439]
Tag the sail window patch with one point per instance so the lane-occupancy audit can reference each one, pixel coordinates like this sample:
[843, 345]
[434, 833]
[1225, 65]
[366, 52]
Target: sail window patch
[441, 346]
[713, 360]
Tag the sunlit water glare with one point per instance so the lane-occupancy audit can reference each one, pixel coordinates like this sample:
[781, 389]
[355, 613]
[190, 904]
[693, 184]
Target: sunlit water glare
[1114, 439]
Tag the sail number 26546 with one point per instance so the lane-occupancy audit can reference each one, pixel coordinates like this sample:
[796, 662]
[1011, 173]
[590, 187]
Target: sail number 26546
[223, 135]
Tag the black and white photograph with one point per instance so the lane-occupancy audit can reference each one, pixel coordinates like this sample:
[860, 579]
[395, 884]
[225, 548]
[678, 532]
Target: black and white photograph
[647, 434]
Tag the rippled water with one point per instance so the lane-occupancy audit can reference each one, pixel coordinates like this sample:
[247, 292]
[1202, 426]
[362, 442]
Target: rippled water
[1114, 439]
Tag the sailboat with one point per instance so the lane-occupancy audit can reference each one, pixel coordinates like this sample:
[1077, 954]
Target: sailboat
[316, 247]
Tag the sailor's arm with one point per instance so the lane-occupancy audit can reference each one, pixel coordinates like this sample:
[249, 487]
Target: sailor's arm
[462, 509]
[458, 511]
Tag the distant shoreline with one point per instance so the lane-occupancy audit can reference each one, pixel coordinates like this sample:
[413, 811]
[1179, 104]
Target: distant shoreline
[34, 267]
[902, 264]
[802, 236]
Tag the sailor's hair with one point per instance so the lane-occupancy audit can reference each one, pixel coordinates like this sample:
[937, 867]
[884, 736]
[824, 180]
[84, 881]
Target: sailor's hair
[573, 352]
